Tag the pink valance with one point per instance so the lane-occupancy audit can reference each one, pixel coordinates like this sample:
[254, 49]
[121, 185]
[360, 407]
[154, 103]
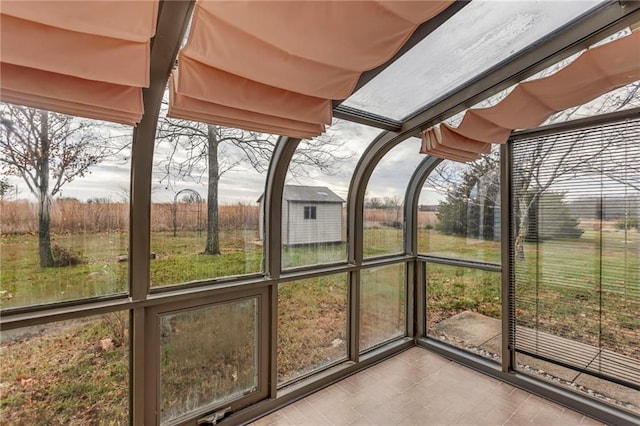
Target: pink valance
[89, 59]
[188, 108]
[288, 60]
[594, 73]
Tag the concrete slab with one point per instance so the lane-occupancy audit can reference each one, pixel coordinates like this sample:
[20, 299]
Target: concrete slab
[494, 345]
[473, 331]
[622, 395]
[544, 368]
[470, 328]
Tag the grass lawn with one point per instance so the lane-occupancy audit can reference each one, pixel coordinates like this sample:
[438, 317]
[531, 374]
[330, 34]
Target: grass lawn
[66, 374]
[178, 260]
[197, 371]
[382, 241]
[61, 375]
[453, 289]
[562, 287]
[312, 324]
[382, 305]
[431, 242]
[23, 282]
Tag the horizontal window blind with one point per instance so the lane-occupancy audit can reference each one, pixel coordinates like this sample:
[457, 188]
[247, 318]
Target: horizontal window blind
[575, 250]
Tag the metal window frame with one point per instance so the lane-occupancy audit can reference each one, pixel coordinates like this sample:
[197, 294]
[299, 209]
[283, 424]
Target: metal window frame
[152, 360]
[310, 213]
[173, 18]
[506, 370]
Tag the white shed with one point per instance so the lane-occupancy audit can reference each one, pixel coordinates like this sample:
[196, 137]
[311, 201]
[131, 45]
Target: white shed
[310, 215]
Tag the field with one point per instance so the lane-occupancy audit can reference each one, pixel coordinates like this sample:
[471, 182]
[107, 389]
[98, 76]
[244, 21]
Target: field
[76, 372]
[36, 387]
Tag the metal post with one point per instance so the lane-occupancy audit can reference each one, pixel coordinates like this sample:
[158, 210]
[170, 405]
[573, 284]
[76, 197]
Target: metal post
[506, 233]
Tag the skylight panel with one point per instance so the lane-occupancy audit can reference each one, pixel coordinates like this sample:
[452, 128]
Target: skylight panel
[477, 38]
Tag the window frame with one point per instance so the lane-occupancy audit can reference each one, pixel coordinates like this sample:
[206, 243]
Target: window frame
[153, 339]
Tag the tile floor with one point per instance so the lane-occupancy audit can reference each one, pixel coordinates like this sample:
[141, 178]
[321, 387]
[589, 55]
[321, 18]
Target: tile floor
[418, 387]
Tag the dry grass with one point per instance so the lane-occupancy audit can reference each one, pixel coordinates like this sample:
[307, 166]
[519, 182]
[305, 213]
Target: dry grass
[73, 216]
[382, 305]
[374, 218]
[197, 371]
[60, 374]
[70, 215]
[312, 324]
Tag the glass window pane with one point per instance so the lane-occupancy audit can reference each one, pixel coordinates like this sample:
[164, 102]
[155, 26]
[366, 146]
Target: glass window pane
[384, 199]
[68, 372]
[209, 356]
[314, 204]
[382, 305]
[205, 212]
[493, 31]
[64, 207]
[576, 249]
[463, 308]
[312, 325]
[459, 211]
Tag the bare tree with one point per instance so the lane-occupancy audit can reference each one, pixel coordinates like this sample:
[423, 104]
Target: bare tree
[47, 150]
[539, 167]
[373, 203]
[542, 167]
[203, 153]
[536, 170]
[395, 203]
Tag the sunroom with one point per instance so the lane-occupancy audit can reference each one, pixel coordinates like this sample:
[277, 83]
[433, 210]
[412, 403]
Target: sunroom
[488, 155]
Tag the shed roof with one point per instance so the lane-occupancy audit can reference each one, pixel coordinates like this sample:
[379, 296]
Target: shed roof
[317, 194]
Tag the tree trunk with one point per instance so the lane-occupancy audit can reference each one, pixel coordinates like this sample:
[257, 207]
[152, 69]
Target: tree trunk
[213, 238]
[522, 228]
[44, 231]
[44, 202]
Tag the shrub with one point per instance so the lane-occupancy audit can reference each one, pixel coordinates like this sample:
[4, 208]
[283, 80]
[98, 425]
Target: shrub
[395, 224]
[628, 223]
[117, 325]
[64, 257]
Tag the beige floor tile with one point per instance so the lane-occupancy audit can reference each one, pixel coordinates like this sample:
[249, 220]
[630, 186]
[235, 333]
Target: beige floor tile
[421, 388]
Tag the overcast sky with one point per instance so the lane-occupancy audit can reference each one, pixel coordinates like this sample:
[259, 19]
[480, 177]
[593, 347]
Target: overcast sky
[110, 179]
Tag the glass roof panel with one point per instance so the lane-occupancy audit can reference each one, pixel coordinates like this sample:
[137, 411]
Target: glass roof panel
[478, 37]
[625, 97]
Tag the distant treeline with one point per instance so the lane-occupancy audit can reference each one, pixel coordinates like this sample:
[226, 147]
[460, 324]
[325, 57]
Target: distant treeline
[607, 208]
[70, 215]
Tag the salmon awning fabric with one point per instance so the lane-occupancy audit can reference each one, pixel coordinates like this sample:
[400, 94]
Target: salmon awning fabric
[594, 73]
[85, 58]
[276, 66]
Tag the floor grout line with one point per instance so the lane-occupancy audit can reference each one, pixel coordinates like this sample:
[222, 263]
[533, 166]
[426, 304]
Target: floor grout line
[451, 394]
